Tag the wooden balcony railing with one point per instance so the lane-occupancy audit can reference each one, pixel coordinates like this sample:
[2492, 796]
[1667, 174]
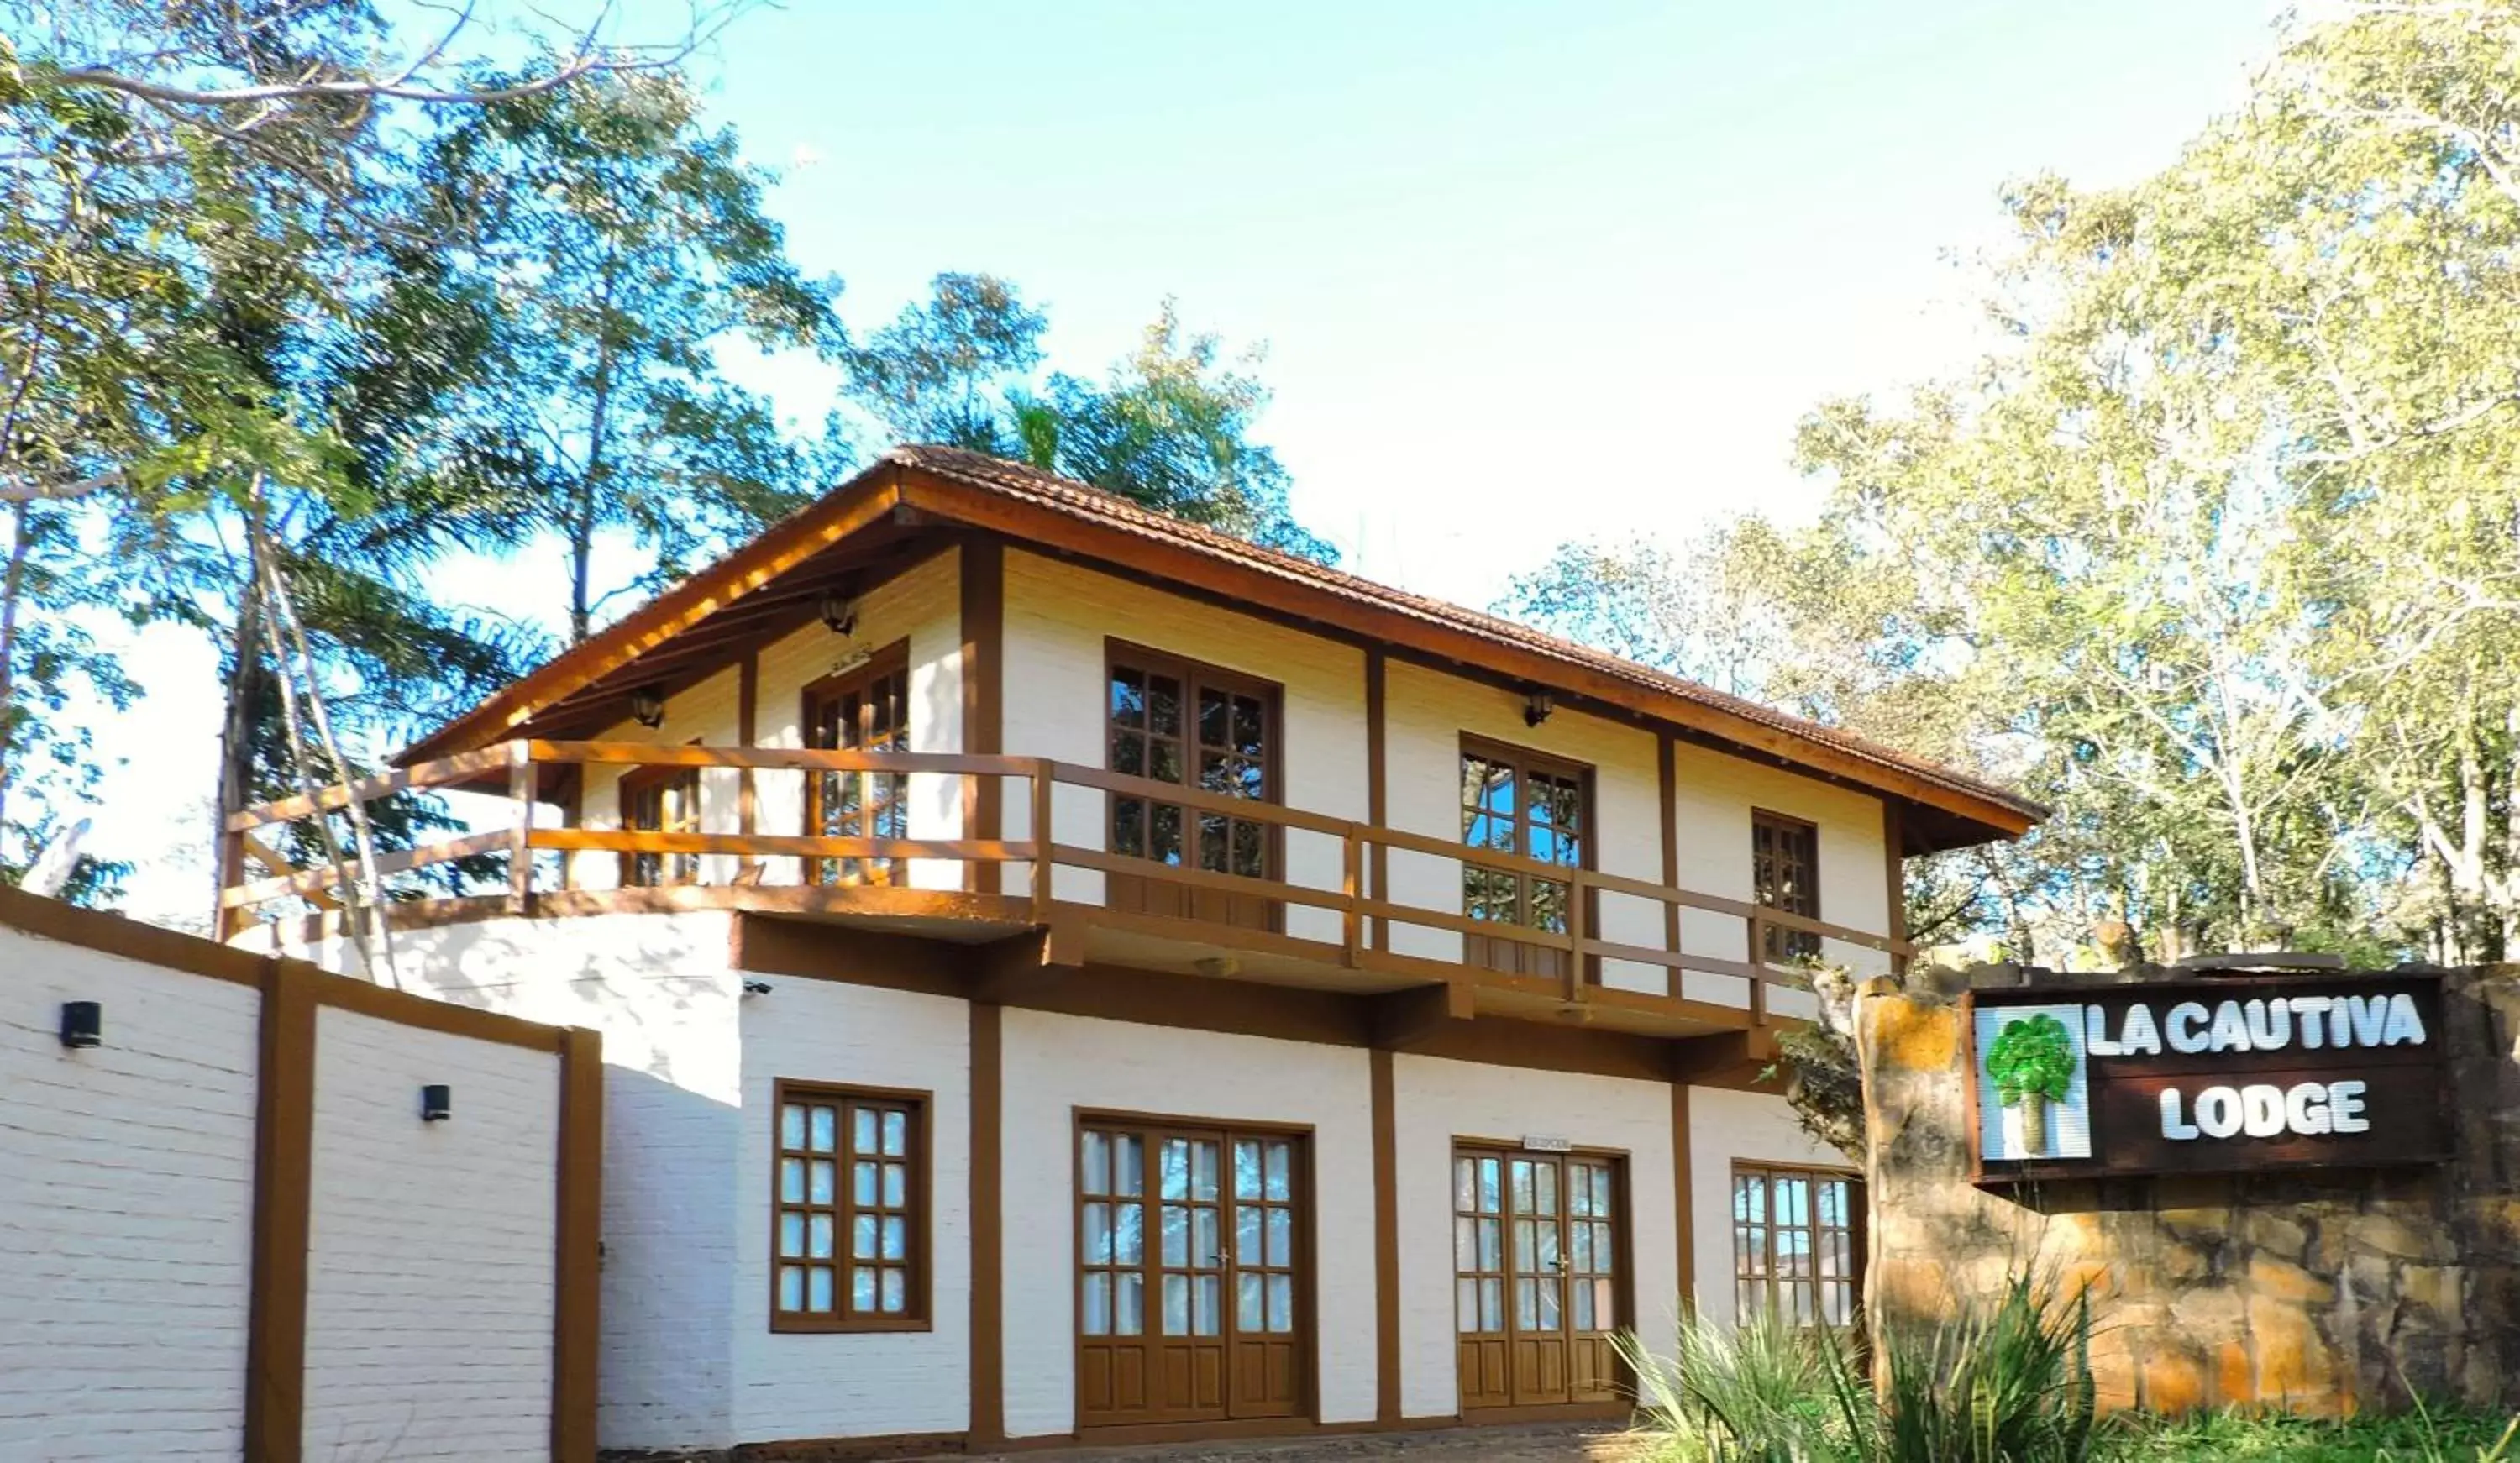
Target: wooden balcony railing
[1366, 914]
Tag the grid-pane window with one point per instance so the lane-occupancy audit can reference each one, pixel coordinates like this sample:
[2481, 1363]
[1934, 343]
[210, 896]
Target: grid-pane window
[1518, 804]
[849, 1209]
[1795, 1250]
[867, 710]
[660, 800]
[1784, 873]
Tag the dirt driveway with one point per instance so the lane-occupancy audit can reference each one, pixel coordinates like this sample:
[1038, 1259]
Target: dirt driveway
[1595, 1442]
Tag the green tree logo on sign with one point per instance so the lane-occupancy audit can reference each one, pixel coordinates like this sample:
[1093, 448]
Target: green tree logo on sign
[2032, 1062]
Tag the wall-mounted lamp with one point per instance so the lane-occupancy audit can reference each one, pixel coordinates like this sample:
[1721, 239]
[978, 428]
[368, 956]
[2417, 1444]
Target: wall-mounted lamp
[1536, 708]
[756, 987]
[82, 1024]
[648, 706]
[436, 1102]
[840, 613]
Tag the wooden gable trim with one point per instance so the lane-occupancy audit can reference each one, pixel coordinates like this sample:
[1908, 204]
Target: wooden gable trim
[780, 547]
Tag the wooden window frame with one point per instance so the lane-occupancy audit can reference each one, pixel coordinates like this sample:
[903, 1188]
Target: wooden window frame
[636, 783]
[1191, 673]
[1855, 1229]
[892, 660]
[1784, 947]
[918, 1313]
[1526, 760]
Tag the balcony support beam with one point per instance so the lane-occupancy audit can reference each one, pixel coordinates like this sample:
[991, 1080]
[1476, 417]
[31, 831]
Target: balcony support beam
[1406, 1019]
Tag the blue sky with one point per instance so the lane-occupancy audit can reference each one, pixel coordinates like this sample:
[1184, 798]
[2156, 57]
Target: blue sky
[1524, 272]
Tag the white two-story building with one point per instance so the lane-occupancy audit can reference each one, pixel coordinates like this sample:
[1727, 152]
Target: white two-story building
[1067, 974]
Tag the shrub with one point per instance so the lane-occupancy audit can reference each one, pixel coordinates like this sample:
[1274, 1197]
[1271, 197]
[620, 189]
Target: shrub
[1759, 1393]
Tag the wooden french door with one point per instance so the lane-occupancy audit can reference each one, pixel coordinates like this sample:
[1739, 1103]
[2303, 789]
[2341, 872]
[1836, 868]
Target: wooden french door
[1191, 1274]
[1536, 1294]
[863, 710]
[1533, 807]
[1202, 728]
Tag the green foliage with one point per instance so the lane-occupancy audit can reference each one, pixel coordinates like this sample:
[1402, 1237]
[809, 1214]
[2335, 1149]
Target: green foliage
[1170, 428]
[623, 241]
[2031, 1057]
[2450, 1436]
[2006, 1383]
[1761, 1391]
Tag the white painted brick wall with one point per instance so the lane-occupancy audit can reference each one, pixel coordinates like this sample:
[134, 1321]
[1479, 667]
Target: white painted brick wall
[658, 988]
[126, 1195]
[1725, 1126]
[1055, 1065]
[430, 1267]
[1436, 1101]
[832, 1385]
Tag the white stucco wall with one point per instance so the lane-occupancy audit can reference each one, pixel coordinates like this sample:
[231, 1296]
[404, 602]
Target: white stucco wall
[835, 1385]
[126, 1197]
[1059, 620]
[430, 1273]
[1436, 1101]
[659, 989]
[921, 605]
[1055, 1065]
[1726, 1126]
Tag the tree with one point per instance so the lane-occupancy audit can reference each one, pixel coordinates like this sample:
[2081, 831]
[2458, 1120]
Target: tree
[628, 243]
[1170, 427]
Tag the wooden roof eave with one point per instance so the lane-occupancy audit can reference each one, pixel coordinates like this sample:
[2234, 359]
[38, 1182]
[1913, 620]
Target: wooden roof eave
[779, 549]
[943, 498]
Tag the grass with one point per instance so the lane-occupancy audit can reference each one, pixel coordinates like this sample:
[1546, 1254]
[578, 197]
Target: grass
[2421, 1437]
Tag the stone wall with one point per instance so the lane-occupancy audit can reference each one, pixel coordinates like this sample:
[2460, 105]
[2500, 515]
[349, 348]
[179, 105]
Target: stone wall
[2315, 1292]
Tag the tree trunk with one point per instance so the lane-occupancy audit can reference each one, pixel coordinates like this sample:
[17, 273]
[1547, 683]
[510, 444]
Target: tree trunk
[236, 723]
[2034, 1125]
[12, 586]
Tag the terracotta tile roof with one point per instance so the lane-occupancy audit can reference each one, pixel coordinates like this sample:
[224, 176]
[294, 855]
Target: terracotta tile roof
[1045, 490]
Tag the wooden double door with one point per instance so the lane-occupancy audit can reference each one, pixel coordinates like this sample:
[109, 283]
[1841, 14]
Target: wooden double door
[1191, 1274]
[1537, 1276]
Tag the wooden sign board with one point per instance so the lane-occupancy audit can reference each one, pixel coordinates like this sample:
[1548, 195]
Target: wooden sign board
[2236, 1074]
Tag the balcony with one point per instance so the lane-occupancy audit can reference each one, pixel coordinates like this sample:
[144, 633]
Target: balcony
[1330, 915]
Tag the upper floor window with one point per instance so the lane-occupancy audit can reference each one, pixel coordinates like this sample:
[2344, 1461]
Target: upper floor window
[1533, 807]
[1784, 875]
[865, 709]
[660, 800]
[1795, 1251]
[850, 1200]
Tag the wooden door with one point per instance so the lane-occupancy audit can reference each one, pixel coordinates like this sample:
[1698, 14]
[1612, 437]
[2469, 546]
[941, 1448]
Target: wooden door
[1535, 1246]
[1533, 807]
[864, 710]
[1197, 727]
[1189, 1276]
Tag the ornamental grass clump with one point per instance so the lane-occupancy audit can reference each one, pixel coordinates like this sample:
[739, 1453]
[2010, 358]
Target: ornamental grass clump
[1759, 1393]
[2009, 1383]
[2032, 1062]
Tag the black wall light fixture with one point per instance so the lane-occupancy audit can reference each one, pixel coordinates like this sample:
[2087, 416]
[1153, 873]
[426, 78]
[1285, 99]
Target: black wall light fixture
[1536, 707]
[648, 706]
[82, 1024]
[436, 1102]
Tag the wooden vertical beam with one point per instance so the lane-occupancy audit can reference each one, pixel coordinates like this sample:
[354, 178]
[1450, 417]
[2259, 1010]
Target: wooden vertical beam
[283, 1167]
[748, 734]
[1667, 766]
[227, 919]
[521, 804]
[1684, 1214]
[1894, 853]
[983, 574]
[1387, 1241]
[1377, 800]
[579, 1245]
[988, 1361]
